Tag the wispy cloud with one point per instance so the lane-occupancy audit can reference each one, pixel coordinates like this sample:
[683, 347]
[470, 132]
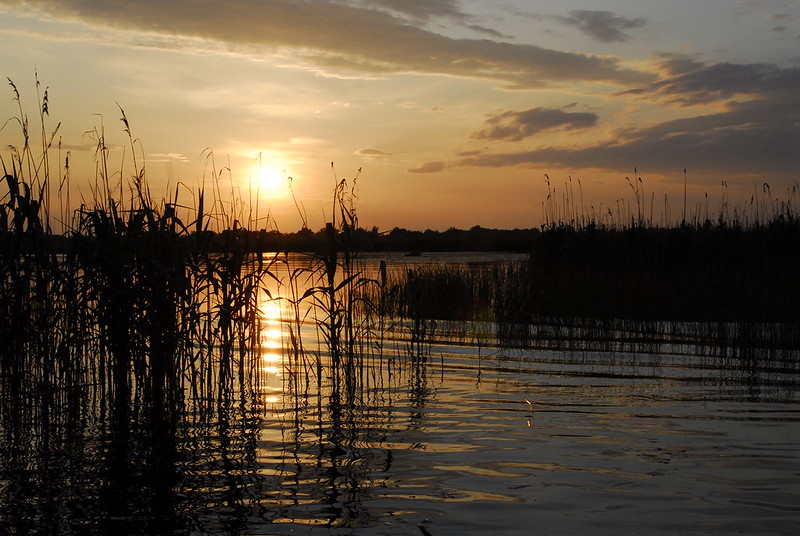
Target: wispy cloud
[348, 36]
[603, 26]
[424, 11]
[670, 147]
[372, 153]
[516, 126]
[167, 157]
[428, 167]
[421, 9]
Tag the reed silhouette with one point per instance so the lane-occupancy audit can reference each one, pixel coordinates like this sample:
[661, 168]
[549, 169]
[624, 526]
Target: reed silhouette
[132, 348]
[131, 373]
[619, 269]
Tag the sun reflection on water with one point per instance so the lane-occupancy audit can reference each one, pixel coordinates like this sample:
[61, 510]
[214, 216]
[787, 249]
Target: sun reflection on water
[270, 311]
[271, 350]
[271, 357]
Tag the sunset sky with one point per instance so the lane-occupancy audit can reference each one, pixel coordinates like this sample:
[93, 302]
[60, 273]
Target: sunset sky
[454, 110]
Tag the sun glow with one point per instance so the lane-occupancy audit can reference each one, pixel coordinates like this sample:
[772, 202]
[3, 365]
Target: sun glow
[271, 180]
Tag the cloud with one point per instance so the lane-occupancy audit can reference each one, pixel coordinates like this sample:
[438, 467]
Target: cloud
[603, 26]
[757, 150]
[372, 153]
[516, 126]
[336, 36]
[689, 82]
[754, 135]
[167, 157]
[428, 167]
[422, 9]
[487, 31]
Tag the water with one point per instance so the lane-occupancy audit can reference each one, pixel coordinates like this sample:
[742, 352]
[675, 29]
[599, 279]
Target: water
[451, 435]
[566, 443]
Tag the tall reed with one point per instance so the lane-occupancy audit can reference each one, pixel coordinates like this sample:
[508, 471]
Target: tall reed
[585, 266]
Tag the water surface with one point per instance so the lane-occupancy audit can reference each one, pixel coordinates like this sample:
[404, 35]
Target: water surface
[444, 432]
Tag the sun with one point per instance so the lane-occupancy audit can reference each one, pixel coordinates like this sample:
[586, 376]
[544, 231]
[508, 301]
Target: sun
[271, 180]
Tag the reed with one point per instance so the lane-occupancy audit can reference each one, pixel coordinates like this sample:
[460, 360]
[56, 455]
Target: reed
[131, 363]
[619, 266]
[344, 309]
[135, 327]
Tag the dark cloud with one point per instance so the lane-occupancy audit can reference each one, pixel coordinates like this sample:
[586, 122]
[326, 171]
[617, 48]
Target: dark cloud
[515, 126]
[688, 82]
[428, 167]
[757, 150]
[604, 26]
[486, 31]
[351, 37]
[757, 134]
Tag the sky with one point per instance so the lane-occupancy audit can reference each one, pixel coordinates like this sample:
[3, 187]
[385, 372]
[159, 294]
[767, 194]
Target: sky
[449, 113]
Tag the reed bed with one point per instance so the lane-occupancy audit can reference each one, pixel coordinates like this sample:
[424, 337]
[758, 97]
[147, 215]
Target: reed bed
[139, 329]
[168, 304]
[736, 268]
[132, 341]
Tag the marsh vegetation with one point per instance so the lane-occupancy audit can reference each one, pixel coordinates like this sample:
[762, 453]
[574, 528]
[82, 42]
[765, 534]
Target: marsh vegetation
[158, 378]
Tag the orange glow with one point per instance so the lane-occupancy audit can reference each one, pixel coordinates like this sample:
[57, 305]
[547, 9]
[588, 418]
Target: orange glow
[271, 312]
[270, 180]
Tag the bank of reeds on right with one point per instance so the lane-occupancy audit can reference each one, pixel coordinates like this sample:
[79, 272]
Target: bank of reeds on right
[739, 266]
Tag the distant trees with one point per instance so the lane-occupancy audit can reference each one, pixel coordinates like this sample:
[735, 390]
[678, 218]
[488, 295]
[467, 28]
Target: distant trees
[396, 240]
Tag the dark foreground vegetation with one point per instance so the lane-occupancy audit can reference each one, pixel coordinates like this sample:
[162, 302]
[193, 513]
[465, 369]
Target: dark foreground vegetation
[711, 271]
[716, 271]
[127, 264]
[130, 363]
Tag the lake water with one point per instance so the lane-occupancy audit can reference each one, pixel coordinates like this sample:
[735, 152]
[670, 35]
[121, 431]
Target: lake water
[438, 434]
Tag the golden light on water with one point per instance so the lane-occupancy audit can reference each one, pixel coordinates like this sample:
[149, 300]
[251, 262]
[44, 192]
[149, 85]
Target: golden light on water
[272, 357]
[272, 334]
[271, 350]
[271, 312]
